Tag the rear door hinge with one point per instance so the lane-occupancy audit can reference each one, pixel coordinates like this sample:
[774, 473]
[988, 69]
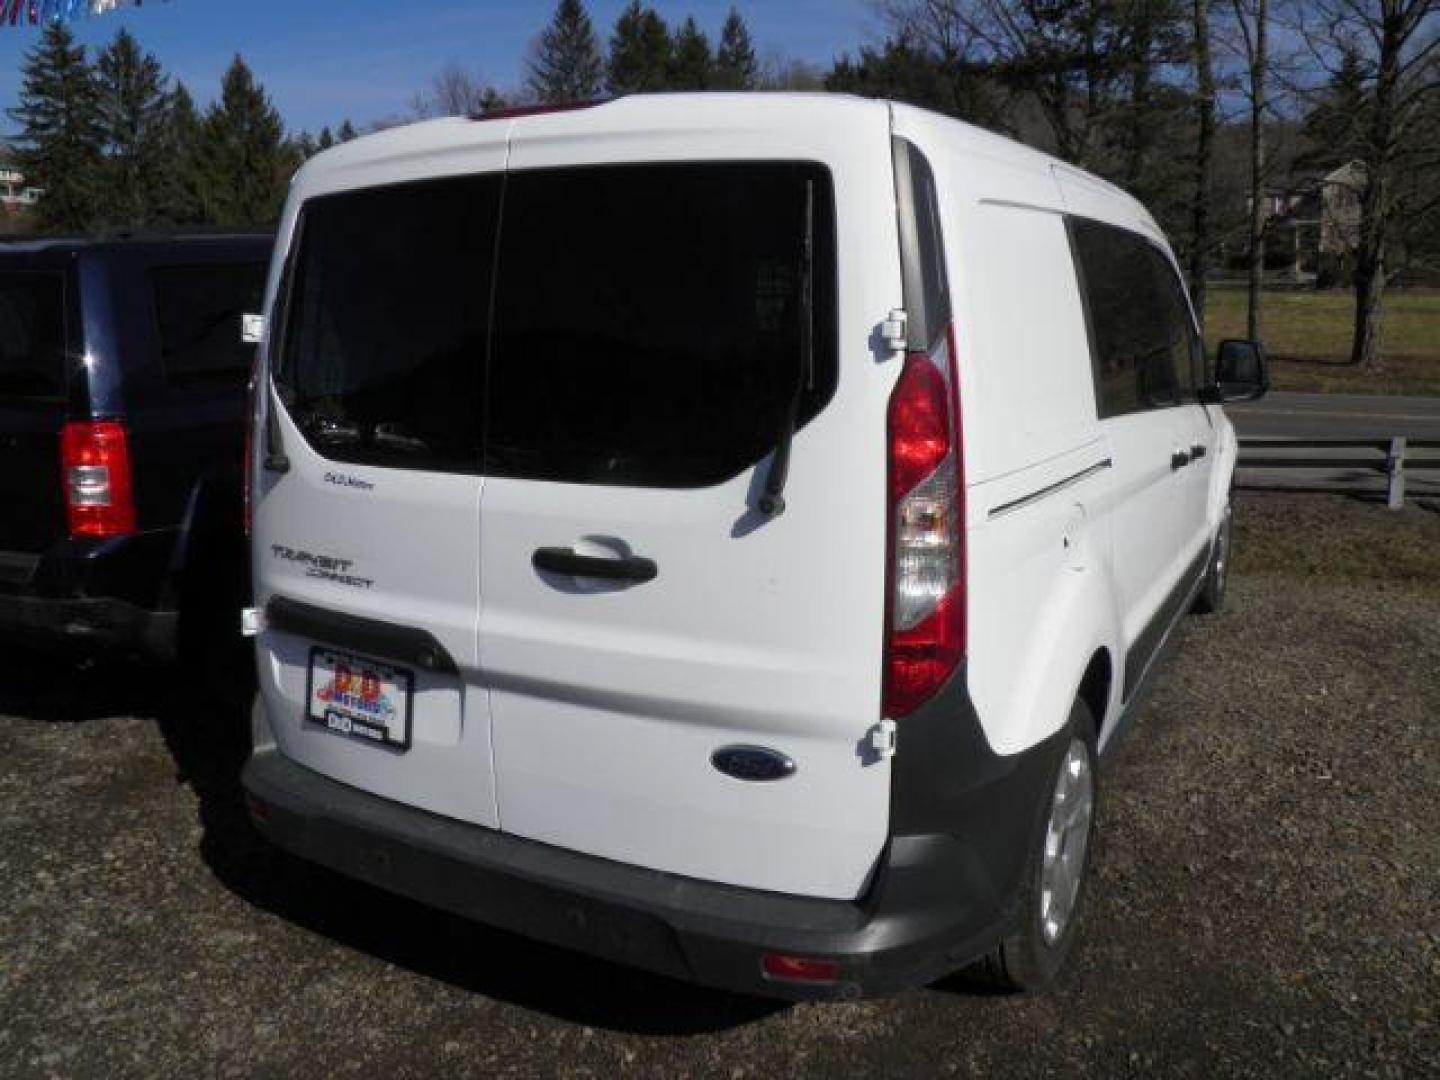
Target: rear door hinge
[882, 739]
[252, 621]
[895, 331]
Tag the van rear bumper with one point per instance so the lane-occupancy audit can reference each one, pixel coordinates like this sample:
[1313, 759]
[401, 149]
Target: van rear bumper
[938, 900]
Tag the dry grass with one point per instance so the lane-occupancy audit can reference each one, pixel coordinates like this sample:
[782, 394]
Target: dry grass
[1307, 335]
[1338, 539]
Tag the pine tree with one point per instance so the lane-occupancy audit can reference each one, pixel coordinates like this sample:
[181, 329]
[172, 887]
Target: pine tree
[60, 147]
[565, 64]
[347, 132]
[134, 110]
[639, 52]
[690, 60]
[735, 66]
[325, 141]
[245, 158]
[181, 195]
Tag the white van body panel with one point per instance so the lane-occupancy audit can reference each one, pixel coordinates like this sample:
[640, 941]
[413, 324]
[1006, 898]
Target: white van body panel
[585, 716]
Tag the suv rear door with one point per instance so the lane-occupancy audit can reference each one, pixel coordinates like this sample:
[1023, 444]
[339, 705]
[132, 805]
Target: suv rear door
[650, 327]
[32, 413]
[366, 550]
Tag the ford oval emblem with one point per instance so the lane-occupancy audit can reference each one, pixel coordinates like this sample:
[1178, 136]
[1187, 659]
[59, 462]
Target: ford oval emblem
[755, 763]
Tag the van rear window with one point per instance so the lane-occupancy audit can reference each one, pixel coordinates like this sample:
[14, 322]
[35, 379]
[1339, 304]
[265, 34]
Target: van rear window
[632, 325]
[32, 336]
[198, 310]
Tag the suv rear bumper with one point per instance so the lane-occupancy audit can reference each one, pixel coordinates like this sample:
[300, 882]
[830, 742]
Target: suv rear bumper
[87, 625]
[85, 595]
[937, 901]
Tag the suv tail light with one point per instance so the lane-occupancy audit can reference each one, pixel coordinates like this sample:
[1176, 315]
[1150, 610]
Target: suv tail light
[95, 462]
[925, 633]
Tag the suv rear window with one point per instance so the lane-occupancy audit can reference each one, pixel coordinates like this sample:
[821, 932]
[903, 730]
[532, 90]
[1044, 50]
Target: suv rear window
[634, 325]
[32, 336]
[198, 310]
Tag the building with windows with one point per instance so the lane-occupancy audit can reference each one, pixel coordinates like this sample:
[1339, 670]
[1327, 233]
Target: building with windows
[16, 196]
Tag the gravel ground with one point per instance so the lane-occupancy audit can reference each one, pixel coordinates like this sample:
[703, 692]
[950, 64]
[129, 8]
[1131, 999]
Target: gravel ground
[1265, 904]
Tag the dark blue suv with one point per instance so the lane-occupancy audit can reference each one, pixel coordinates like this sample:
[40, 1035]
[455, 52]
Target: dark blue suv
[123, 378]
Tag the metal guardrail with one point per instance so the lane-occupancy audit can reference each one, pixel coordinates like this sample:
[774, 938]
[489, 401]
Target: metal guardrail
[1391, 458]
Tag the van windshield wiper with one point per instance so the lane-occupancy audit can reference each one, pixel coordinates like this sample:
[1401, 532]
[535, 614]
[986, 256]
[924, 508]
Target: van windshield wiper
[772, 501]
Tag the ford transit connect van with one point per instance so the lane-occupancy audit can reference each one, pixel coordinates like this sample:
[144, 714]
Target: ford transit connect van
[722, 533]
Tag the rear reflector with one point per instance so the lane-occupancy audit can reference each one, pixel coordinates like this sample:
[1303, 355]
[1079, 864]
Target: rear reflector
[804, 969]
[95, 464]
[517, 111]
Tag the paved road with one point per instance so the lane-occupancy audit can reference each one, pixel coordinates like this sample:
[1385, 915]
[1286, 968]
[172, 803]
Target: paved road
[1338, 416]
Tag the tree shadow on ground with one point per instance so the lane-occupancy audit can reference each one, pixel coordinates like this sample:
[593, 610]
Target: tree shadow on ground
[210, 747]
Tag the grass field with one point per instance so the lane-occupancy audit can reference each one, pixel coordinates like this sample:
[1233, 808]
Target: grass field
[1307, 335]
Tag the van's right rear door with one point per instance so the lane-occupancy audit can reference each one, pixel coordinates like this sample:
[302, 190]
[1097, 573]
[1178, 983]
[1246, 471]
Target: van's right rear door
[651, 324]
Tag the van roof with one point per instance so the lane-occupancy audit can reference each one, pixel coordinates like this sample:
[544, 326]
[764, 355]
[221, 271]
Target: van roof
[638, 114]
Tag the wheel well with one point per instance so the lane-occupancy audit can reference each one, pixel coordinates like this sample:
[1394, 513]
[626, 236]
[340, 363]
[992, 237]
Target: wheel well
[1095, 687]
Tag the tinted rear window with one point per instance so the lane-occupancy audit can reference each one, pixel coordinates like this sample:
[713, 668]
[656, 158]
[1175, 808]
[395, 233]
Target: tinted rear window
[386, 325]
[198, 310]
[32, 336]
[646, 324]
[1144, 344]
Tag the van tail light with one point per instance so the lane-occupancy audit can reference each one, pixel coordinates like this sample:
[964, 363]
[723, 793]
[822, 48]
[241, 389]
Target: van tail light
[925, 585]
[95, 464]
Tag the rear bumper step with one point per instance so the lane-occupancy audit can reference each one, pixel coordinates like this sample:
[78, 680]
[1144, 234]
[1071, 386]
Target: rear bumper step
[937, 901]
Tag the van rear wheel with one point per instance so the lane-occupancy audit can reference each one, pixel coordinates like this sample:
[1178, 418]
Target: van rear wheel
[1211, 597]
[1056, 871]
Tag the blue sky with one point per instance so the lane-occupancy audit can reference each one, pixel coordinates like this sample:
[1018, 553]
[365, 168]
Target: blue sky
[325, 60]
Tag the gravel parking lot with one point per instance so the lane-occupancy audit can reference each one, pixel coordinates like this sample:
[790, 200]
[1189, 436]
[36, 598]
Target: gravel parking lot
[1267, 900]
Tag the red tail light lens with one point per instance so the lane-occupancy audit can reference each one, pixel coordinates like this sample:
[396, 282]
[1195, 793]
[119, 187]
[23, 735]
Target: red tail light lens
[926, 628]
[95, 463]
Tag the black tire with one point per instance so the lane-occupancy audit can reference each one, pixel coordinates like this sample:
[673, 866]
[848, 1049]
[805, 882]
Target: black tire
[1032, 955]
[1211, 597]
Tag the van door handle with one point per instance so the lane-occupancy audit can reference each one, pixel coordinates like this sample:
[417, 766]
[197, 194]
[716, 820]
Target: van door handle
[558, 560]
[1179, 459]
[1198, 451]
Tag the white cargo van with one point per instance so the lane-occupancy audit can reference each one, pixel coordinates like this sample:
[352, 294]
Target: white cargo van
[720, 532]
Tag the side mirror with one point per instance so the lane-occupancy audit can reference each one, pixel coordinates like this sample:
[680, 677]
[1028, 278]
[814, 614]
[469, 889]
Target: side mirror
[1240, 372]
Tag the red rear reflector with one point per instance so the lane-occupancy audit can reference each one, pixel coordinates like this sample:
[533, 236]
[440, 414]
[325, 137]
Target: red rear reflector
[95, 465]
[800, 968]
[258, 810]
[517, 111]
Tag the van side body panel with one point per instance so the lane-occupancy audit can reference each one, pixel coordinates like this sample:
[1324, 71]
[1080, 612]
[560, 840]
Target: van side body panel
[1039, 497]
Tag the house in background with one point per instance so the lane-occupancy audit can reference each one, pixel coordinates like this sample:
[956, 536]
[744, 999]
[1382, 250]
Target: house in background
[1314, 226]
[16, 196]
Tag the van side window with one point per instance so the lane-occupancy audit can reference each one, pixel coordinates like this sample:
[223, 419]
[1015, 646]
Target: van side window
[32, 337]
[1142, 337]
[198, 310]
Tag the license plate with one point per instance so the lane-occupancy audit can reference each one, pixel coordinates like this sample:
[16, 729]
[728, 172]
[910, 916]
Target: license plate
[360, 698]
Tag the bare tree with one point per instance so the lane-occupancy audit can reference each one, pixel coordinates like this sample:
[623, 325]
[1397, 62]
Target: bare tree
[1396, 44]
[1204, 152]
[454, 91]
[1252, 20]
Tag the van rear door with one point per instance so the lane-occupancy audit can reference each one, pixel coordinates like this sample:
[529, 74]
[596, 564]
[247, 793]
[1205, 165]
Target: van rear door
[655, 324]
[366, 546]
